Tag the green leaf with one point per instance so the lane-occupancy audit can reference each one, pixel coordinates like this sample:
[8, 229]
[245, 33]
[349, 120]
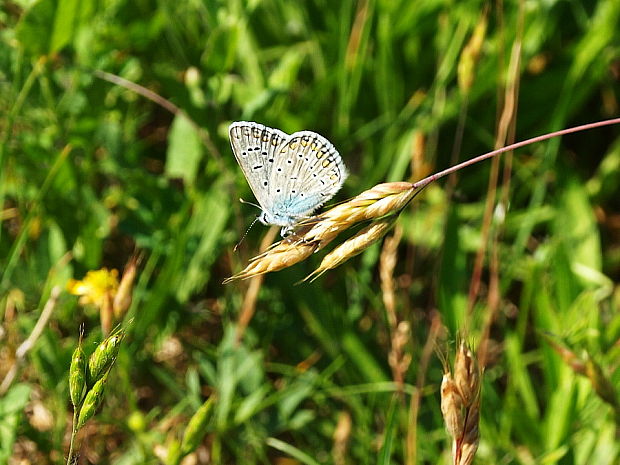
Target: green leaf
[184, 150]
[577, 226]
[64, 24]
[11, 407]
[390, 433]
[208, 211]
[36, 27]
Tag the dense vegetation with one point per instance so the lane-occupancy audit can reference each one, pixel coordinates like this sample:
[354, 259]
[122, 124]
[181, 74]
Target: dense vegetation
[518, 256]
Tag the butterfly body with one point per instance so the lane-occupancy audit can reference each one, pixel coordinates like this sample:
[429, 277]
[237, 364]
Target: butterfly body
[290, 175]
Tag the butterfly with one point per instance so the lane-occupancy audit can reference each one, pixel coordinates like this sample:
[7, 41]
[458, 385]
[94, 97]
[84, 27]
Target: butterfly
[290, 175]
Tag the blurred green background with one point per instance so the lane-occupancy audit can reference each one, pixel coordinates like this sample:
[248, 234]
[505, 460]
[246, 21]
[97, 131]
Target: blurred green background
[402, 89]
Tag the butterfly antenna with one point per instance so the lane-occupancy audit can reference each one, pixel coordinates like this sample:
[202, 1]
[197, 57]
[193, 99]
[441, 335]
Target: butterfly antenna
[250, 203]
[245, 234]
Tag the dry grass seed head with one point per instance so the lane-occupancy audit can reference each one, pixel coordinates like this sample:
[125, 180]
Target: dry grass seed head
[353, 246]
[313, 234]
[451, 406]
[282, 255]
[466, 374]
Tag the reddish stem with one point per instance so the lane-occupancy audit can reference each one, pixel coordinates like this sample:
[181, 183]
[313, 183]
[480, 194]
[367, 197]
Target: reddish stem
[433, 177]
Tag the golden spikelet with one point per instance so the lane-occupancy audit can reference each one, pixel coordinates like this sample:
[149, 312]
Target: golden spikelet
[122, 299]
[374, 205]
[460, 405]
[282, 255]
[451, 406]
[353, 246]
[466, 375]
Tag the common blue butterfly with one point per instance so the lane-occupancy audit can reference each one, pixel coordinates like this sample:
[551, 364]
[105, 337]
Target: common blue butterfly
[290, 175]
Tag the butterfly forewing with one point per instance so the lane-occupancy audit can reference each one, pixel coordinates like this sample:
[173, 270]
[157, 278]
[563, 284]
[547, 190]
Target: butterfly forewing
[256, 147]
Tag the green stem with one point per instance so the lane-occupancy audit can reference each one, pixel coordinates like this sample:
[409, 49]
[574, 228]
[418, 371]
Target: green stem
[73, 435]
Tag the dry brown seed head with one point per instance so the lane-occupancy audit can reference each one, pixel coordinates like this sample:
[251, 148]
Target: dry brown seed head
[122, 299]
[284, 254]
[451, 406]
[466, 453]
[313, 234]
[471, 433]
[353, 246]
[466, 374]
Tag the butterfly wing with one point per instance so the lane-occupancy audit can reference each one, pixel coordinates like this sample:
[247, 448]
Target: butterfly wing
[256, 147]
[307, 172]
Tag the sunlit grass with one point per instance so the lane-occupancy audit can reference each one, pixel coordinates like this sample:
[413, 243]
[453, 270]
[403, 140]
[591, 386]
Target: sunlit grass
[517, 257]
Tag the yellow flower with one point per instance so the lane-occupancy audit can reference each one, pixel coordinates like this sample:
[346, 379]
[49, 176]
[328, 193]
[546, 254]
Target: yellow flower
[96, 288]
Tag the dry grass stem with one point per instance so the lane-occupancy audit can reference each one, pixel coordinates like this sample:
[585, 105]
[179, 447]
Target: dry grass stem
[387, 263]
[602, 384]
[342, 435]
[398, 360]
[401, 332]
[251, 295]
[435, 332]
[312, 234]
[24, 348]
[460, 405]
